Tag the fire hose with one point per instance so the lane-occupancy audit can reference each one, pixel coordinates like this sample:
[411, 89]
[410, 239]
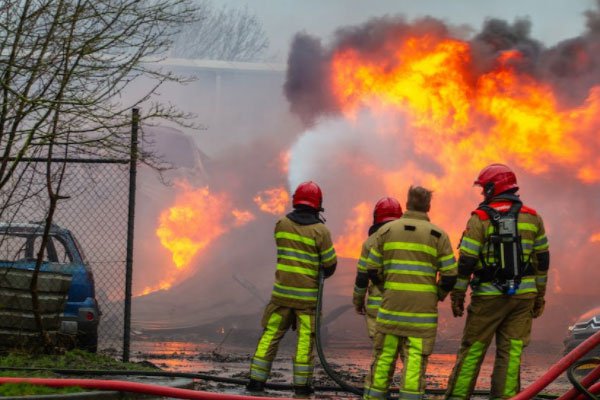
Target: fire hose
[559, 367]
[583, 386]
[332, 374]
[133, 387]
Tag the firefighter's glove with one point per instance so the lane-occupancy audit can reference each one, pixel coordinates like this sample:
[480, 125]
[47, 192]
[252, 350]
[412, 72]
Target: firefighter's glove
[359, 304]
[360, 309]
[458, 303]
[538, 306]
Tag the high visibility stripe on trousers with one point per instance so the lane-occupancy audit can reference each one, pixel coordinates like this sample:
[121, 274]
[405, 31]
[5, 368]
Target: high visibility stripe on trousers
[304, 358]
[383, 367]
[511, 382]
[467, 371]
[413, 364]
[260, 366]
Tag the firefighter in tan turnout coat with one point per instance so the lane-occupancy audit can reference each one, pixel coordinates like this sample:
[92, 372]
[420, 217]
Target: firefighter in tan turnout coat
[304, 246]
[386, 209]
[506, 264]
[413, 260]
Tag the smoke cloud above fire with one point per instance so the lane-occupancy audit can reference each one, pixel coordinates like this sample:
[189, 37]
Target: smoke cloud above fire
[392, 102]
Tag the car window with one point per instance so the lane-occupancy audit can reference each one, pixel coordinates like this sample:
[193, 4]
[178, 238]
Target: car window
[13, 248]
[63, 255]
[80, 250]
[25, 247]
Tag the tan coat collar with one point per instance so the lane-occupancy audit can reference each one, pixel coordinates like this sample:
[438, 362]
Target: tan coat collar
[415, 215]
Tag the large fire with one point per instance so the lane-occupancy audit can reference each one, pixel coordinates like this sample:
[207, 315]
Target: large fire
[349, 244]
[462, 119]
[453, 114]
[185, 229]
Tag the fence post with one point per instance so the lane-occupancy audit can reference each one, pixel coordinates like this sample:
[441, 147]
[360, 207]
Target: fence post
[135, 119]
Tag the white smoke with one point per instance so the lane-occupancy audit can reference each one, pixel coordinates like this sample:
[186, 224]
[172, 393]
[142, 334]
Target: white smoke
[316, 152]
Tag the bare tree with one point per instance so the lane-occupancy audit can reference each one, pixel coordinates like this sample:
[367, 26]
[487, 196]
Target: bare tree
[65, 66]
[227, 33]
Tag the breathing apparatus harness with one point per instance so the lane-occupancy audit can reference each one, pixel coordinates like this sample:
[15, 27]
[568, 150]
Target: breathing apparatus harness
[503, 261]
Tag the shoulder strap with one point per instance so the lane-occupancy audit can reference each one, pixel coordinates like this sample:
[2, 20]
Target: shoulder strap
[490, 213]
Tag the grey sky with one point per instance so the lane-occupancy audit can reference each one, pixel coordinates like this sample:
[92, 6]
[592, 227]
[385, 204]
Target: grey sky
[552, 20]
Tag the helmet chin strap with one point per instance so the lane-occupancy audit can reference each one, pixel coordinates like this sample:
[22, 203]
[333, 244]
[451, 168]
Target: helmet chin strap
[488, 190]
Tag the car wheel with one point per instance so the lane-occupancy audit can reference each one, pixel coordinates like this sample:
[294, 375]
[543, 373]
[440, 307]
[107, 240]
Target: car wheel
[88, 341]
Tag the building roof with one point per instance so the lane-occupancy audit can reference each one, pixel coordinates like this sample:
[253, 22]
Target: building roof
[221, 65]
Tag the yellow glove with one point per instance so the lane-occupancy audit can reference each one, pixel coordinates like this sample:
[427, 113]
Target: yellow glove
[458, 303]
[538, 306]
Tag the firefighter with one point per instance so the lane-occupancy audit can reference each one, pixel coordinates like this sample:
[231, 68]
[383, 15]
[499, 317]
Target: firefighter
[412, 261]
[303, 247]
[507, 273]
[386, 209]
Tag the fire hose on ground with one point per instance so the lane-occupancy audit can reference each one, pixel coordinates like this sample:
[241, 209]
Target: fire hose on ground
[559, 367]
[587, 388]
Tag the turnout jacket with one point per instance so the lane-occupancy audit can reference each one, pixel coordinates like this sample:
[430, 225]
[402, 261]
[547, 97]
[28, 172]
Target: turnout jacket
[362, 284]
[408, 257]
[301, 250]
[474, 245]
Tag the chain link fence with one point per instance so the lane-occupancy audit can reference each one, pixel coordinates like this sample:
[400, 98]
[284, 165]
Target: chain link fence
[94, 208]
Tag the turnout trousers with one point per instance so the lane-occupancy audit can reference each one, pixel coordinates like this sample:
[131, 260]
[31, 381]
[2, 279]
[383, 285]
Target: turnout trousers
[509, 319]
[276, 321]
[413, 351]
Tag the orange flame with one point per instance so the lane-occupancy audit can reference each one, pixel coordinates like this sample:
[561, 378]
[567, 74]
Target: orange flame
[273, 201]
[349, 244]
[163, 285]
[192, 223]
[185, 229]
[468, 121]
[242, 217]
[595, 237]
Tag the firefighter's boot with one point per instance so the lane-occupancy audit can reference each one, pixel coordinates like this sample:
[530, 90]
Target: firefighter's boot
[255, 386]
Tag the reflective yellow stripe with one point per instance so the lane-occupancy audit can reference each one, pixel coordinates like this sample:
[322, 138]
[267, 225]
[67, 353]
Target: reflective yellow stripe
[362, 264]
[447, 263]
[409, 267]
[413, 364]
[328, 255]
[268, 335]
[541, 243]
[468, 370]
[511, 385]
[302, 260]
[410, 247]
[306, 294]
[374, 258]
[410, 287]
[304, 332]
[470, 246]
[406, 319]
[524, 226]
[385, 361]
[297, 270]
[294, 237]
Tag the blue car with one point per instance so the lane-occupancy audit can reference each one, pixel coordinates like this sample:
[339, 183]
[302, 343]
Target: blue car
[19, 245]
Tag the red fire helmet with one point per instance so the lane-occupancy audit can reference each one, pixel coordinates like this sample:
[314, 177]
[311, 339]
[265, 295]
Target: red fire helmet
[309, 194]
[496, 179]
[386, 209]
